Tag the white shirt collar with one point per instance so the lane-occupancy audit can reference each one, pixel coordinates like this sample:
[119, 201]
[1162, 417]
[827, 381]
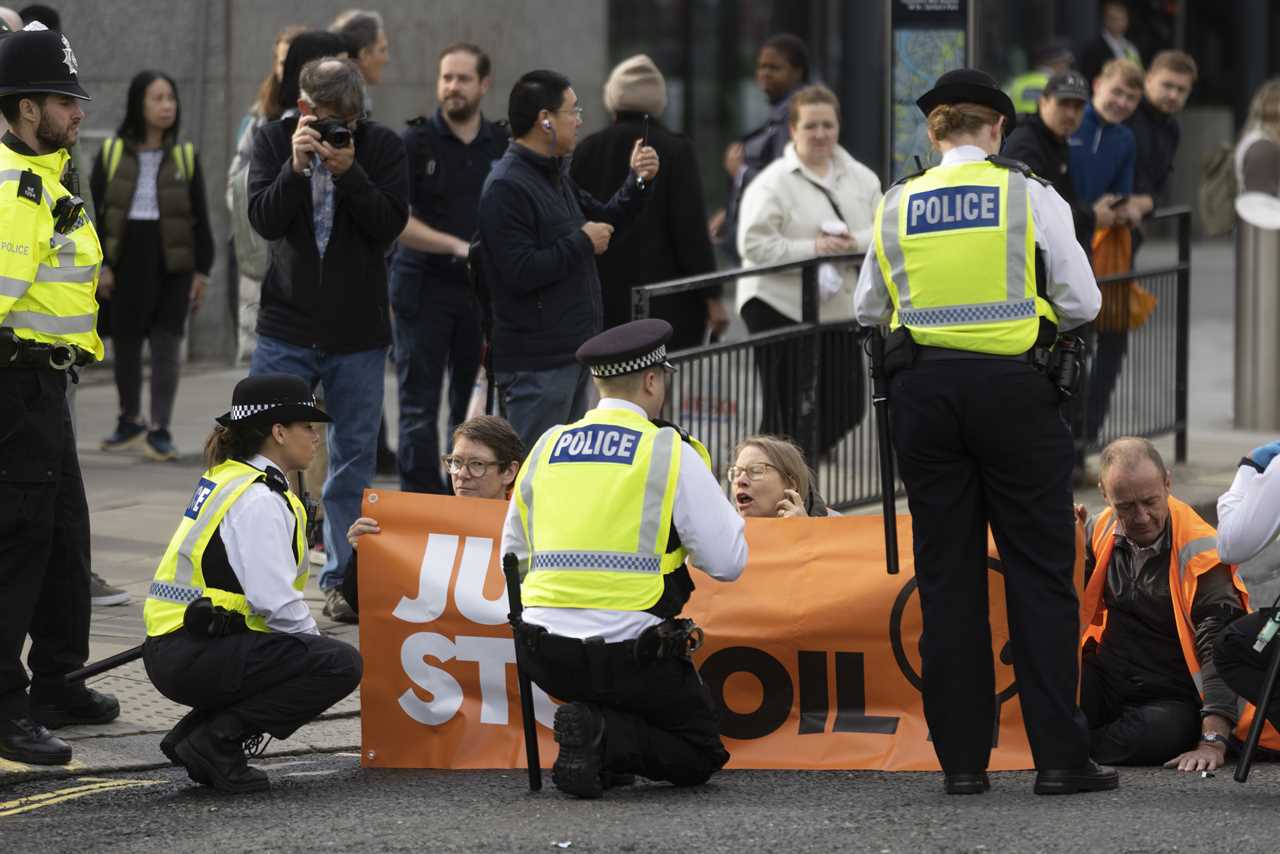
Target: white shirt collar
[619, 403]
[963, 154]
[261, 463]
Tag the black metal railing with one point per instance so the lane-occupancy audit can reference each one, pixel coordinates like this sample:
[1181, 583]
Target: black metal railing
[808, 380]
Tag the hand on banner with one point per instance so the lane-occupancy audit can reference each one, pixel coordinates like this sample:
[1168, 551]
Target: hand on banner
[360, 527]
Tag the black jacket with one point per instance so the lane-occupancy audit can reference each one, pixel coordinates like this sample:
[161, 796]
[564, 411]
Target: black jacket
[338, 304]
[1035, 145]
[1157, 135]
[539, 265]
[669, 238]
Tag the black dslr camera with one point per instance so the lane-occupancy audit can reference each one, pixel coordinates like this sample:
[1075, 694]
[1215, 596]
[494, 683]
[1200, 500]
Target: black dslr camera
[333, 132]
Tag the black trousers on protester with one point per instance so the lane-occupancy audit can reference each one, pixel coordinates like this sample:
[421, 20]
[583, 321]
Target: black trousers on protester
[44, 538]
[1129, 725]
[981, 441]
[1244, 669]
[660, 722]
[271, 682]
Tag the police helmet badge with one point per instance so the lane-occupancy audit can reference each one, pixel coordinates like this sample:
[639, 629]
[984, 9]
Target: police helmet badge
[69, 58]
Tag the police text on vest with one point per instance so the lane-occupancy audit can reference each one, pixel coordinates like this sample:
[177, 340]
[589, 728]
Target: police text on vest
[596, 443]
[948, 208]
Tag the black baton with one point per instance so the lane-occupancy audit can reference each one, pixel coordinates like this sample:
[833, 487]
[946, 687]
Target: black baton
[1259, 714]
[511, 569]
[117, 660]
[880, 400]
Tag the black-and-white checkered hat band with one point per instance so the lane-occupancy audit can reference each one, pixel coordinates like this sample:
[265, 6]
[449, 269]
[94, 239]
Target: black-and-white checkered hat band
[240, 413]
[630, 366]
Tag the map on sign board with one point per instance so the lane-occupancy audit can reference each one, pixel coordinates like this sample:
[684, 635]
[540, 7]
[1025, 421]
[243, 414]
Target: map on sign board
[928, 39]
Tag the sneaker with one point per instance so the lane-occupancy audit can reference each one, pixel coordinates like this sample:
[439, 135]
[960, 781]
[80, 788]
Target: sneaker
[580, 733]
[160, 446]
[102, 594]
[316, 554]
[128, 432]
[24, 740]
[70, 708]
[336, 607]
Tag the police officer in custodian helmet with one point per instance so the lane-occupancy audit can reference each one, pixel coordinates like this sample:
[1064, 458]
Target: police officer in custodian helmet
[49, 260]
[976, 270]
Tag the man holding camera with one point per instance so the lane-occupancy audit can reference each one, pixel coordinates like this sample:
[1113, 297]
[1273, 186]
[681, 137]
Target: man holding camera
[330, 190]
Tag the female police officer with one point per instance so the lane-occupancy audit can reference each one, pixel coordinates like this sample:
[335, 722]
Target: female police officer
[975, 262]
[228, 631]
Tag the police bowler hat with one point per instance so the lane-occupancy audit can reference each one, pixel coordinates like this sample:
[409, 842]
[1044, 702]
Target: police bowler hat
[272, 399]
[38, 60]
[969, 86]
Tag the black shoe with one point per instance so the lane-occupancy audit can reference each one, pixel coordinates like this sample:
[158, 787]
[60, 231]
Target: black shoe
[183, 728]
[159, 446]
[966, 784]
[580, 733]
[214, 752]
[75, 706]
[24, 740]
[1091, 778]
[128, 432]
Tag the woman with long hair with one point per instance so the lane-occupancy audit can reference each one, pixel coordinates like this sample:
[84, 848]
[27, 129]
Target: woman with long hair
[154, 225]
[770, 478]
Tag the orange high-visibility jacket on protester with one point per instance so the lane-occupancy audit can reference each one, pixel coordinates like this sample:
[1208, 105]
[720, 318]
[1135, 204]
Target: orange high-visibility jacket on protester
[1194, 552]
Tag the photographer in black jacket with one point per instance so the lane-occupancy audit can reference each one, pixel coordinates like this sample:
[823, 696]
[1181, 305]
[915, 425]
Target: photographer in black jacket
[330, 190]
[541, 234]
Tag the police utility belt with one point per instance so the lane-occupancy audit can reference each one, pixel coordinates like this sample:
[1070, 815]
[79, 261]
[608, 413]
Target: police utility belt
[669, 639]
[1061, 363]
[18, 352]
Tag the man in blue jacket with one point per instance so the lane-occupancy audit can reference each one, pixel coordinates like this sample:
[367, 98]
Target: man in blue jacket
[541, 234]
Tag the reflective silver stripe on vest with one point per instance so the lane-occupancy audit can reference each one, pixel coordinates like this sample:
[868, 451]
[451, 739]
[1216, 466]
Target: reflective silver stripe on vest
[16, 175]
[598, 562]
[955, 315]
[1193, 549]
[892, 246]
[180, 594]
[186, 569]
[1015, 235]
[655, 491]
[526, 485]
[12, 287]
[49, 324]
[84, 274]
[66, 249]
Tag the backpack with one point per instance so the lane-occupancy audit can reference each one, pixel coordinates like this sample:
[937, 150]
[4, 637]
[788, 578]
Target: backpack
[1218, 190]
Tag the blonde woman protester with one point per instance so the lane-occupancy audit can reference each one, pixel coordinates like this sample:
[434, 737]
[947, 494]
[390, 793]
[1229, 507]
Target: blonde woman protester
[769, 478]
[814, 200]
[228, 630]
[1257, 157]
[976, 264]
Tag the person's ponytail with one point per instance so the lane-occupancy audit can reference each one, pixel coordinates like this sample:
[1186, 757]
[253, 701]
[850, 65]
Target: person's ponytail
[234, 443]
[960, 119]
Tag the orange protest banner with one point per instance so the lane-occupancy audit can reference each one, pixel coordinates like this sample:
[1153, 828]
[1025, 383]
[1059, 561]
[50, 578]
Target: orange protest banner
[813, 653]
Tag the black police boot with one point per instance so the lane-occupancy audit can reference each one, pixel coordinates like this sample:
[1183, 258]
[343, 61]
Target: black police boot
[24, 740]
[183, 728]
[966, 783]
[215, 752]
[1091, 777]
[580, 733]
[72, 706]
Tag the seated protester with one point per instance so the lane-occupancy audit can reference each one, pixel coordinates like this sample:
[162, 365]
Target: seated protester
[768, 478]
[1157, 596]
[228, 630]
[1248, 522]
[486, 456]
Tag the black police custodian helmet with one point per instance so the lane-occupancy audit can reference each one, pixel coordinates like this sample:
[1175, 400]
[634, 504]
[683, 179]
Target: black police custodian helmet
[272, 399]
[969, 86]
[38, 60]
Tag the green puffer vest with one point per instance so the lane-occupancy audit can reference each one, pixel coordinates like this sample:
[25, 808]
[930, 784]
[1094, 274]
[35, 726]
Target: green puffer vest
[172, 193]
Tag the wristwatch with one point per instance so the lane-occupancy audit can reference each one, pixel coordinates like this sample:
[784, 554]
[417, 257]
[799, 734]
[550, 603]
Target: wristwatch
[1214, 738]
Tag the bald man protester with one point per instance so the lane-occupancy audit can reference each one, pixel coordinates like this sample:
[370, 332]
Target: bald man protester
[605, 580]
[1159, 596]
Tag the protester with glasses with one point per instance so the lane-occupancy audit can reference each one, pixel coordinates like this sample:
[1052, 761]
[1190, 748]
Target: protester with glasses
[486, 456]
[769, 478]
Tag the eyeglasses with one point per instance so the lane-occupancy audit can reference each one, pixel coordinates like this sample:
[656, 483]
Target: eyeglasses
[475, 468]
[577, 111]
[754, 472]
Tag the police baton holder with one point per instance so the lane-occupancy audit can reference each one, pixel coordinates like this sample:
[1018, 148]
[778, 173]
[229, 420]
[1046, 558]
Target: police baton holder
[511, 570]
[880, 400]
[1259, 715]
[117, 660]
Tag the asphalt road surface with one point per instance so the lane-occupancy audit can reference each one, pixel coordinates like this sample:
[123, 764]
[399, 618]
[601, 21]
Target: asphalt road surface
[326, 802]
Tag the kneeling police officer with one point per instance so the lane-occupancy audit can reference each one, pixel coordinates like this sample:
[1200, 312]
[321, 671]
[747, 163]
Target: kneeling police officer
[228, 631]
[604, 513]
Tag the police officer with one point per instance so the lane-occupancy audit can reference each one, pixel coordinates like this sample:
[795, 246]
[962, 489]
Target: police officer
[228, 630]
[975, 264]
[606, 576]
[49, 260]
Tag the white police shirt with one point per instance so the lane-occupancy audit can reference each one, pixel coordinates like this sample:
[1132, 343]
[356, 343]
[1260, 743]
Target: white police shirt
[1071, 287]
[258, 534]
[710, 529]
[1249, 513]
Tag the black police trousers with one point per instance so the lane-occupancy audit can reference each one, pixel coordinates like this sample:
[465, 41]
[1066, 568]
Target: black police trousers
[981, 442]
[270, 681]
[44, 539]
[660, 722]
[1244, 669]
[1131, 726]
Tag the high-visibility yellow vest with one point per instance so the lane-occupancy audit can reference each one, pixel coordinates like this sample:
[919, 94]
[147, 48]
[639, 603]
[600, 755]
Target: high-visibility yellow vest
[595, 500]
[1025, 90]
[179, 580]
[956, 246]
[48, 281]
